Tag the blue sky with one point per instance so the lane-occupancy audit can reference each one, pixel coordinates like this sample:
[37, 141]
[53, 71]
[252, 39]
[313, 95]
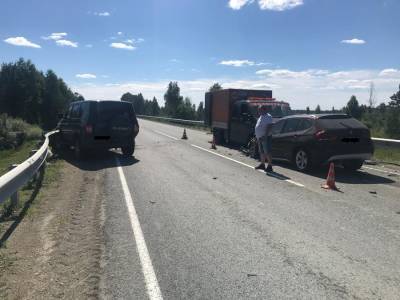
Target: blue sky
[308, 52]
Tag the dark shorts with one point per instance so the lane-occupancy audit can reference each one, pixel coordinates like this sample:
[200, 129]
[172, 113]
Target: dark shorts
[265, 144]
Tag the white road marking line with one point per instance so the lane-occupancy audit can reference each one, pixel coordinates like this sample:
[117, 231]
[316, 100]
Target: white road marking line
[246, 165]
[153, 289]
[378, 170]
[164, 134]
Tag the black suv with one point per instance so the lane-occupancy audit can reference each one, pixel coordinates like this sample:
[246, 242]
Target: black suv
[91, 125]
[311, 140]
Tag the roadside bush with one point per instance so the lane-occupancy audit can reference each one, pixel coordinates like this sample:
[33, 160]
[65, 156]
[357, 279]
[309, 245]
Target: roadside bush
[14, 132]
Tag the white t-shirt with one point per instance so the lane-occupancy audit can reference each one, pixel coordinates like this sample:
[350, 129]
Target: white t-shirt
[261, 126]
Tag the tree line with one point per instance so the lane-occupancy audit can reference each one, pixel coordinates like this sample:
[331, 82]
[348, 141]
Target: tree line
[383, 119]
[34, 96]
[176, 106]
[38, 98]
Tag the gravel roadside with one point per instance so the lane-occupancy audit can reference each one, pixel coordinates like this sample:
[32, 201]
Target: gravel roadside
[55, 252]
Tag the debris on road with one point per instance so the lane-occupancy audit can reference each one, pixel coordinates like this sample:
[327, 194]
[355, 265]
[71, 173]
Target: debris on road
[373, 192]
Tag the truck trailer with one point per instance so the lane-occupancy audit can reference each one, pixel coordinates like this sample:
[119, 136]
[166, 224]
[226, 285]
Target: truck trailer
[232, 113]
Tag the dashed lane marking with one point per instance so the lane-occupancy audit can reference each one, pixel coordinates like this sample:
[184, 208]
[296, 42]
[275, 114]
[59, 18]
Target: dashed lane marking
[164, 134]
[246, 165]
[383, 171]
[153, 289]
[234, 160]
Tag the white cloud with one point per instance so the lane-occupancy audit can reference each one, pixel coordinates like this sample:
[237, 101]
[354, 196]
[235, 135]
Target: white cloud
[351, 81]
[21, 41]
[89, 46]
[390, 73]
[55, 36]
[279, 5]
[102, 14]
[66, 43]
[129, 41]
[242, 63]
[119, 32]
[276, 5]
[86, 76]
[353, 42]
[122, 46]
[300, 88]
[284, 73]
[140, 40]
[237, 63]
[175, 60]
[238, 4]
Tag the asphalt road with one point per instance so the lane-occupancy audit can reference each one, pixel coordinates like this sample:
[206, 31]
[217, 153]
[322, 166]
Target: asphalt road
[205, 225]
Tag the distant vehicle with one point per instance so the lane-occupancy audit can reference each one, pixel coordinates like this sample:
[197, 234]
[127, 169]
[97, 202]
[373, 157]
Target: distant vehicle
[232, 113]
[311, 140]
[92, 125]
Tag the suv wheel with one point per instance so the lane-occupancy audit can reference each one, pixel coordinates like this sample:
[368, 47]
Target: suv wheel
[302, 160]
[352, 165]
[128, 150]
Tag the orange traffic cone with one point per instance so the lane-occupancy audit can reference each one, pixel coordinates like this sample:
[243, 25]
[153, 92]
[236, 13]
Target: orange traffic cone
[213, 143]
[184, 136]
[330, 180]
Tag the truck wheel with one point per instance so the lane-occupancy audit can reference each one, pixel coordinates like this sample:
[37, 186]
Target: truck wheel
[253, 148]
[218, 136]
[352, 165]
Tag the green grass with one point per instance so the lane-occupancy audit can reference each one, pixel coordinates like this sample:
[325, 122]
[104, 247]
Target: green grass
[51, 175]
[15, 156]
[391, 155]
[25, 194]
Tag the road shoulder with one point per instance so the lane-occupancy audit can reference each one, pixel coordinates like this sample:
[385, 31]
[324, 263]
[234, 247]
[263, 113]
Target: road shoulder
[55, 252]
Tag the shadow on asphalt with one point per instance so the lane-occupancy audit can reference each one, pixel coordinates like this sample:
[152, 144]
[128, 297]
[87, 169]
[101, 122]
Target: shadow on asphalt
[98, 160]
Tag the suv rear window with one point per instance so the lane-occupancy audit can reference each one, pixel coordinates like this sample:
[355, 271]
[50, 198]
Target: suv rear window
[110, 110]
[340, 123]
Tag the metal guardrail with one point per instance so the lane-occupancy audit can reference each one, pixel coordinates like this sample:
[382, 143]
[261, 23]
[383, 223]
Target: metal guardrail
[386, 142]
[172, 120]
[13, 180]
[377, 141]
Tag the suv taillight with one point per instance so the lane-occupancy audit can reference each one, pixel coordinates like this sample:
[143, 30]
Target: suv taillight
[89, 129]
[322, 135]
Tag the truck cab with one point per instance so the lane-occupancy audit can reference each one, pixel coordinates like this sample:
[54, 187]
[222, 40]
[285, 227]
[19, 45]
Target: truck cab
[232, 113]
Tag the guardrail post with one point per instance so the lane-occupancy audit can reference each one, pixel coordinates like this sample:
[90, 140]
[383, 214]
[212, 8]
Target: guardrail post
[14, 197]
[35, 176]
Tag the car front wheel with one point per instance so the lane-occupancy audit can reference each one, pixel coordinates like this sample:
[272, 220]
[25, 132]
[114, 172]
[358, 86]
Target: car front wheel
[302, 160]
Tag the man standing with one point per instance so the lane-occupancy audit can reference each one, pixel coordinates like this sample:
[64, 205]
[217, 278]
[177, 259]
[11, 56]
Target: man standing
[263, 131]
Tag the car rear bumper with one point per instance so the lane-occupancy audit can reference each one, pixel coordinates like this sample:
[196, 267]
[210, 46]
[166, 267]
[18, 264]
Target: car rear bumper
[107, 144]
[324, 153]
[354, 156]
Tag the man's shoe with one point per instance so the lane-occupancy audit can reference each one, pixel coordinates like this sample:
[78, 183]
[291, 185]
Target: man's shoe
[269, 169]
[260, 167]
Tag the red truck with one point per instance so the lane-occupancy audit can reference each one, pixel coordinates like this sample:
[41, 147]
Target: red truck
[232, 113]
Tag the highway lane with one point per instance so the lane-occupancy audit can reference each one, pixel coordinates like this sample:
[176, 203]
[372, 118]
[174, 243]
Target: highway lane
[216, 229]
